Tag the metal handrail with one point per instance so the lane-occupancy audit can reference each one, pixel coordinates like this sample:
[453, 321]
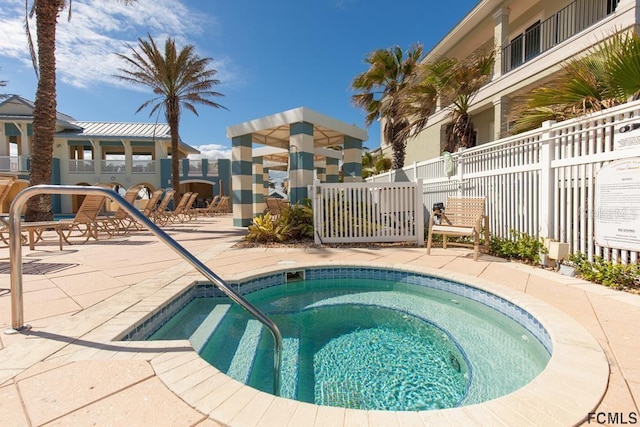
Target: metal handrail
[15, 256]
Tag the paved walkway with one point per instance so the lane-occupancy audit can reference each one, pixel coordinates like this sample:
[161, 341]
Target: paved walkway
[68, 371]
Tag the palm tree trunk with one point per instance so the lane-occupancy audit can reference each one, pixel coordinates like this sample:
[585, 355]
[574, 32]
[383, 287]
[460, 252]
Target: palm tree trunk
[173, 120]
[44, 113]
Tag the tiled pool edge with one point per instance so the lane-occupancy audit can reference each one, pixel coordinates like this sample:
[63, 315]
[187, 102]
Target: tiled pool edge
[572, 384]
[254, 283]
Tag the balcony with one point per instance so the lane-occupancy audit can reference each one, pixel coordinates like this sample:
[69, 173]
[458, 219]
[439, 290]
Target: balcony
[562, 25]
[143, 166]
[113, 166]
[81, 166]
[14, 164]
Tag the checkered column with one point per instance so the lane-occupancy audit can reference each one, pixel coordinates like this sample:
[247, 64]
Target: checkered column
[352, 158]
[300, 160]
[321, 174]
[242, 180]
[332, 170]
[258, 187]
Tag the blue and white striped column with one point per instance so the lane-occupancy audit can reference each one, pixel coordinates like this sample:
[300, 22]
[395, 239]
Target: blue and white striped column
[265, 181]
[333, 170]
[352, 159]
[242, 180]
[258, 187]
[300, 160]
[321, 174]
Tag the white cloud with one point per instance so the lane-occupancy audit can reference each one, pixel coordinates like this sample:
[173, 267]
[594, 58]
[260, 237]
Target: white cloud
[86, 44]
[212, 151]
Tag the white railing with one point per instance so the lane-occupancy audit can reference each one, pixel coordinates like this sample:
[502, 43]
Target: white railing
[81, 166]
[113, 166]
[541, 182]
[13, 164]
[368, 212]
[195, 168]
[143, 166]
[212, 168]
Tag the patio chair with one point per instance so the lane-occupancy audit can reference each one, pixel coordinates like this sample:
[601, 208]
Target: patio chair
[86, 224]
[174, 215]
[188, 212]
[461, 217]
[274, 205]
[121, 217]
[152, 206]
[224, 206]
[161, 215]
[6, 182]
[210, 210]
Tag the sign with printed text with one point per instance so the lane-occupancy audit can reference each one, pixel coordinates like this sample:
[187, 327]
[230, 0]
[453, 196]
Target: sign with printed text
[617, 219]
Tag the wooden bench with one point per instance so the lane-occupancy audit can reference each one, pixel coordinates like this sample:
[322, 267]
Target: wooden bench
[463, 216]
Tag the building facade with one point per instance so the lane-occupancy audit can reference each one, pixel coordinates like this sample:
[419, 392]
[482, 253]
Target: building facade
[532, 39]
[120, 154]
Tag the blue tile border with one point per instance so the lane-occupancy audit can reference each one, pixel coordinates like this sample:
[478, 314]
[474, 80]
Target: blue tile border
[156, 319]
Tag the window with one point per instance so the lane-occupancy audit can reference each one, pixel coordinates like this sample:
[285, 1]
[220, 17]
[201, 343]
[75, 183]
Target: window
[526, 45]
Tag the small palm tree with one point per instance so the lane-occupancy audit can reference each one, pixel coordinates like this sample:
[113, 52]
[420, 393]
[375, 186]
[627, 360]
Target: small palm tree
[178, 79]
[45, 105]
[454, 83]
[608, 76]
[382, 88]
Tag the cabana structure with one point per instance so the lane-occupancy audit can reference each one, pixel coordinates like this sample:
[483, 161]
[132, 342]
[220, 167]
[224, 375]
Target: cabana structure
[300, 140]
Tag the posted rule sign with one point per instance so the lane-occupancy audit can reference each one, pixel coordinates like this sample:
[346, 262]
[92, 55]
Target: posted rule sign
[617, 220]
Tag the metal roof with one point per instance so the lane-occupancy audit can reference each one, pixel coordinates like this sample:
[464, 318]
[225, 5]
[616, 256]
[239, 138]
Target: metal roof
[122, 130]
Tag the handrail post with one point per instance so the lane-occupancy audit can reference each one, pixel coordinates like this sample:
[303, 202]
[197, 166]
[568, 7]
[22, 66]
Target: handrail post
[15, 256]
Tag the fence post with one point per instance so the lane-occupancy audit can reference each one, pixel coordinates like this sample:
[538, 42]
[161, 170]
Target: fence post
[460, 172]
[419, 219]
[545, 206]
[318, 220]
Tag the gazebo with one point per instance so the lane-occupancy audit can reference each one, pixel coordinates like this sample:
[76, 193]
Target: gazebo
[302, 140]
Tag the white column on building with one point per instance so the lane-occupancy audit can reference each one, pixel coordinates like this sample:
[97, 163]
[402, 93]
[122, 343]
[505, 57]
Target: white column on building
[500, 38]
[501, 117]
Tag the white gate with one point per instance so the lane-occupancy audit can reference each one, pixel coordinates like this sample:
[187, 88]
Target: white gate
[368, 212]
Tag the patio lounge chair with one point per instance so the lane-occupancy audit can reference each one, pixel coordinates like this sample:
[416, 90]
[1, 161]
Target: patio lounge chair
[178, 211]
[461, 217]
[121, 217]
[188, 212]
[86, 224]
[160, 215]
[210, 210]
[151, 208]
[6, 182]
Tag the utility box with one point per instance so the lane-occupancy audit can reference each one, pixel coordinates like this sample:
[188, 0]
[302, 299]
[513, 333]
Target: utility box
[558, 250]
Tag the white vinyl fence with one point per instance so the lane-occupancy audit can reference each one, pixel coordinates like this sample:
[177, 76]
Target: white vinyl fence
[541, 182]
[368, 212]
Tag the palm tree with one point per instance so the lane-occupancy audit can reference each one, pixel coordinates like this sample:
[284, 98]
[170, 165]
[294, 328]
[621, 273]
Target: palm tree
[382, 88]
[454, 83]
[608, 76]
[45, 105]
[179, 79]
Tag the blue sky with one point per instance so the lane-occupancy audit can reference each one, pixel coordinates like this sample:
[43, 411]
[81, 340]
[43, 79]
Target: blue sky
[271, 55]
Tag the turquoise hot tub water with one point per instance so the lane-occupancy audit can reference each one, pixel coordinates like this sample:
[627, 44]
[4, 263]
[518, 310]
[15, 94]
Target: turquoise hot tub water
[370, 343]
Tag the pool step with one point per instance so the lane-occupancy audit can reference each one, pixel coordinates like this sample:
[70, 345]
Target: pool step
[242, 361]
[289, 368]
[201, 335]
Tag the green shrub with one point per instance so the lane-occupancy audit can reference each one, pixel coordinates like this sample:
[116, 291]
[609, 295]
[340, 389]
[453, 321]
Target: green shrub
[614, 275]
[293, 223]
[518, 245]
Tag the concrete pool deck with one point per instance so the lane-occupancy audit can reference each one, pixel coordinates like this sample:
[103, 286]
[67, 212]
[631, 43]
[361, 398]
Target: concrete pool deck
[68, 370]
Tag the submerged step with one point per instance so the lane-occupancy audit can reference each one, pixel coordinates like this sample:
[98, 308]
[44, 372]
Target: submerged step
[289, 368]
[242, 362]
[201, 335]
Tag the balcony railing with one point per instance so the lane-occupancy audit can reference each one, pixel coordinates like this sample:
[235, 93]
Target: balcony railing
[562, 25]
[81, 166]
[212, 169]
[13, 164]
[195, 168]
[143, 166]
[113, 166]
